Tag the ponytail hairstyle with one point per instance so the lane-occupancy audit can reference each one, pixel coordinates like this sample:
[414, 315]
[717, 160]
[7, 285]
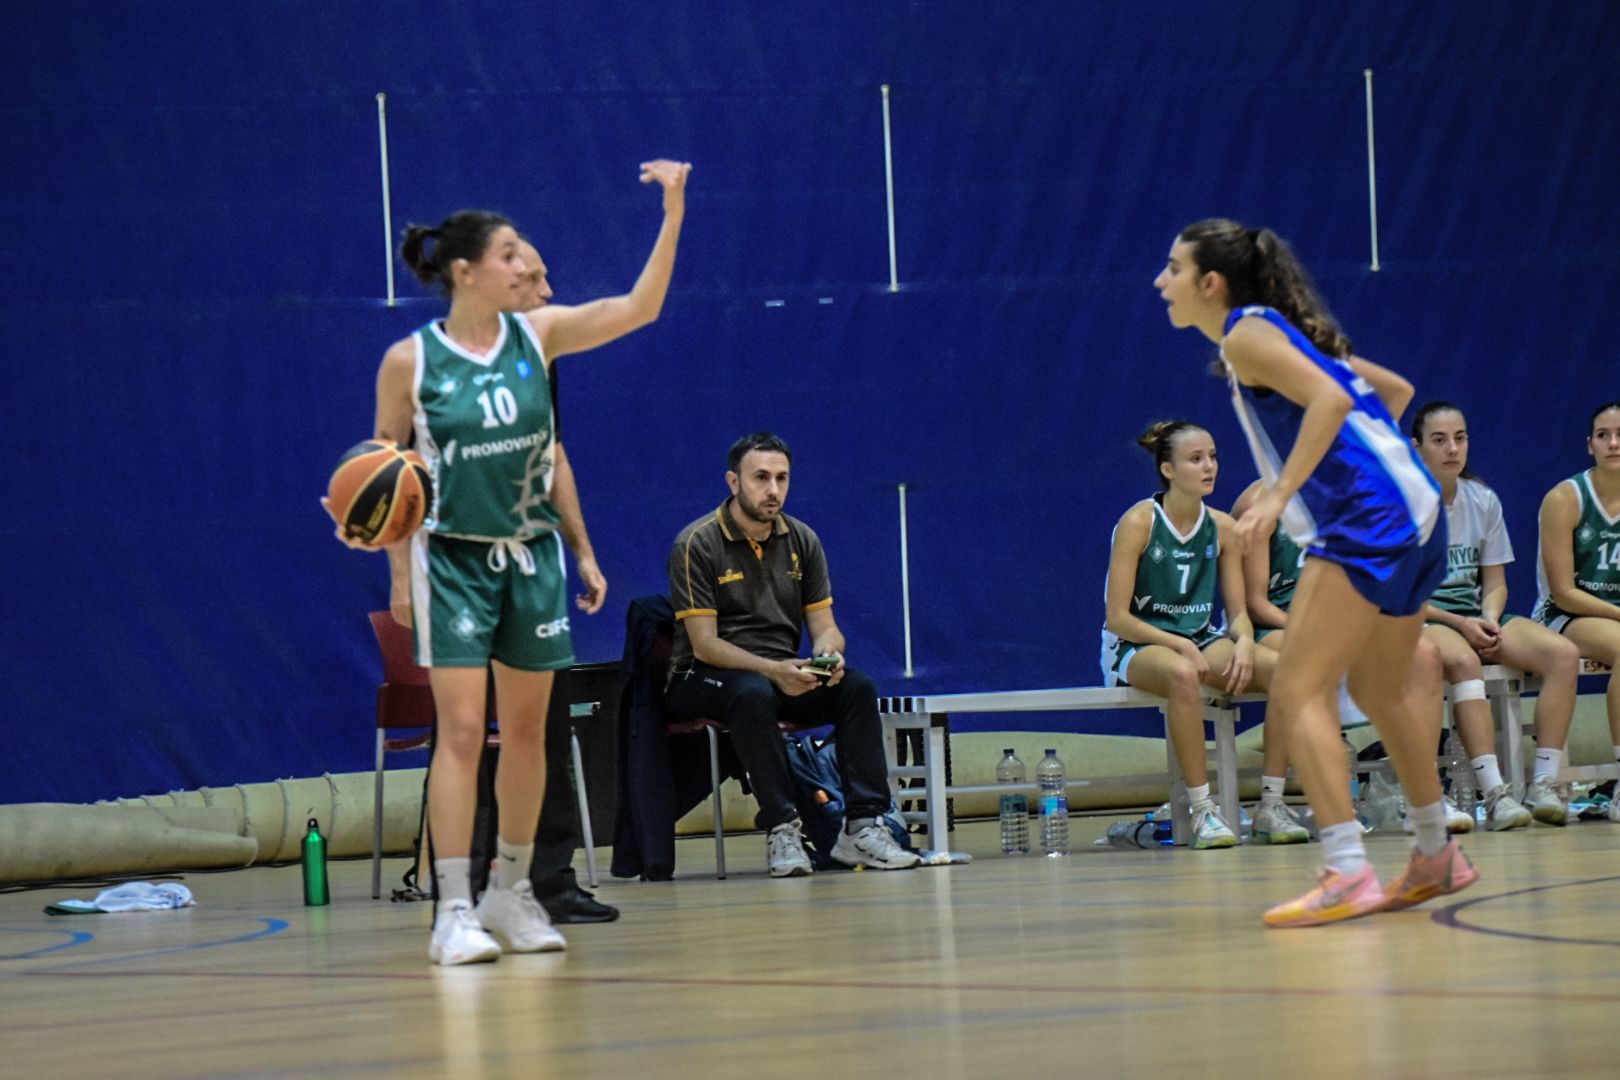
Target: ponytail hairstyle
[1601, 409]
[1260, 268]
[463, 235]
[1420, 420]
[1159, 440]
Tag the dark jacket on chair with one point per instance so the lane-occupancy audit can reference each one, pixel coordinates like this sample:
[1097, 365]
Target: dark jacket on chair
[661, 776]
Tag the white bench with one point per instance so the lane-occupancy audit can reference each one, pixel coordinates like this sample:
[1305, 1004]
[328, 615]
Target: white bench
[927, 713]
[1504, 686]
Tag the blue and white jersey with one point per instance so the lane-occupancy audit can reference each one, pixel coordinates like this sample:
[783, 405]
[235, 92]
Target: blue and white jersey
[1371, 493]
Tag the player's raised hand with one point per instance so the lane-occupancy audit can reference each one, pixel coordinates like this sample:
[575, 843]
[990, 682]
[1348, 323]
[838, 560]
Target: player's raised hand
[671, 176]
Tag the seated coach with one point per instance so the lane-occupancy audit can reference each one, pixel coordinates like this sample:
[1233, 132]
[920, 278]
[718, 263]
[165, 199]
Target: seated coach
[746, 580]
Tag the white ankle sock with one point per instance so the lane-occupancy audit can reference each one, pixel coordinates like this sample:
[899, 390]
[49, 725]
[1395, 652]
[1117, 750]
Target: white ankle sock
[1196, 795]
[1271, 788]
[1548, 762]
[1487, 773]
[1342, 849]
[1429, 825]
[451, 874]
[511, 863]
[1617, 753]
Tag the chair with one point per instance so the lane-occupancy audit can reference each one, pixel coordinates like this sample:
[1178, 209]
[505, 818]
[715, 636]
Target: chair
[405, 703]
[659, 656]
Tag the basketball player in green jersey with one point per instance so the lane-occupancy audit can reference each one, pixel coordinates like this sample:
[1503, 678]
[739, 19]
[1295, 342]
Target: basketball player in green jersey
[483, 579]
[1170, 555]
[1270, 572]
[1578, 570]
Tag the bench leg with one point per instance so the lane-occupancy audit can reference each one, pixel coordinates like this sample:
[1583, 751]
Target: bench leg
[715, 805]
[939, 829]
[1510, 739]
[1226, 766]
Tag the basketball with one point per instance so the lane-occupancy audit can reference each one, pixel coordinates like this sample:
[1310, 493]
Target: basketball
[379, 493]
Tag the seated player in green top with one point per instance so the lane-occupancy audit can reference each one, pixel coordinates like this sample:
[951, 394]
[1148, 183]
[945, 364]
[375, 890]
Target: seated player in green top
[1170, 556]
[1579, 566]
[1464, 618]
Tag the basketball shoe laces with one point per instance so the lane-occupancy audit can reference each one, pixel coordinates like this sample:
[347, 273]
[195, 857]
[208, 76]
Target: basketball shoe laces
[521, 555]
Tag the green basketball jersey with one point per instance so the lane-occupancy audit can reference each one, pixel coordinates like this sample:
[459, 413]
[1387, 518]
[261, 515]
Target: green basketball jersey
[485, 428]
[1177, 576]
[1596, 546]
[1287, 559]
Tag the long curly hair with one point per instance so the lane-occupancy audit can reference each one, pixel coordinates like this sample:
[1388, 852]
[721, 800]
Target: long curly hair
[1260, 268]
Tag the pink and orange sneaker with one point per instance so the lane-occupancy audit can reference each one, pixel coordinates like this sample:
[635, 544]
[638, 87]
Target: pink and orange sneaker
[1336, 897]
[1428, 876]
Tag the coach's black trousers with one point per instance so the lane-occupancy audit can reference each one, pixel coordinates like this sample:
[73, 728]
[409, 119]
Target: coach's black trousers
[750, 706]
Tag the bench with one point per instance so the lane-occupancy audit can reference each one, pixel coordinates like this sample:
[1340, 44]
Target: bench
[1504, 687]
[928, 714]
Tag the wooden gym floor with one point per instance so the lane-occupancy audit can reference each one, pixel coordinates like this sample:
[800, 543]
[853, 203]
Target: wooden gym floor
[1102, 964]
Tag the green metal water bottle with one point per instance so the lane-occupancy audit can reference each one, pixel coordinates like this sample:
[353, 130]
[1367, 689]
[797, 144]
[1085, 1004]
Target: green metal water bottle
[316, 891]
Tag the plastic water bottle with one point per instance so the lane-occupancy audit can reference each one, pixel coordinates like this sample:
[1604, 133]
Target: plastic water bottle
[317, 892]
[1014, 806]
[1463, 792]
[1138, 834]
[1054, 804]
[1355, 778]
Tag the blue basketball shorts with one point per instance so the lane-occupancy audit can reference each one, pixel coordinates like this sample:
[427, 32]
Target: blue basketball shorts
[1397, 582]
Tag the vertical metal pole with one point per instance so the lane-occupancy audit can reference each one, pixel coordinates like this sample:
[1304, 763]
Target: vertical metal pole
[905, 581]
[888, 177]
[388, 211]
[1372, 171]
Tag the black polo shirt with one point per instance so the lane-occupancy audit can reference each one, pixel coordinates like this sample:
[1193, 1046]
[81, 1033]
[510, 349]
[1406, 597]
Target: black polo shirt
[758, 593]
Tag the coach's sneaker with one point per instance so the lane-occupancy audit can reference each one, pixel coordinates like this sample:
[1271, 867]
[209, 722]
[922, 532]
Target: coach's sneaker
[1503, 811]
[873, 846]
[516, 918]
[1428, 876]
[1547, 803]
[1456, 820]
[1336, 897]
[458, 938]
[784, 852]
[1209, 831]
[1275, 823]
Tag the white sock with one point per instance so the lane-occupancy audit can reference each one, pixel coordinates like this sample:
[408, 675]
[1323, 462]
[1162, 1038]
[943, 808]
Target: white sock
[451, 874]
[1342, 848]
[511, 863]
[1487, 773]
[1429, 823]
[1548, 762]
[1617, 753]
[1271, 788]
[1196, 795]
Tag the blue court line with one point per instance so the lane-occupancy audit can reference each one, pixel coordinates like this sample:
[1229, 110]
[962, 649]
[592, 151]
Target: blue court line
[1447, 916]
[74, 937]
[271, 927]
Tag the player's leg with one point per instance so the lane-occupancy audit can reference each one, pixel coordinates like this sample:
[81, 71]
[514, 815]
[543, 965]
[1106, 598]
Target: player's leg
[1328, 624]
[1168, 674]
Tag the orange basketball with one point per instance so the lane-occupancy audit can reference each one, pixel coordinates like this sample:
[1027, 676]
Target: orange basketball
[379, 493]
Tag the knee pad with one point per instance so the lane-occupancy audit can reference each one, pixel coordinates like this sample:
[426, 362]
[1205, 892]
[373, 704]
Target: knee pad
[1467, 690]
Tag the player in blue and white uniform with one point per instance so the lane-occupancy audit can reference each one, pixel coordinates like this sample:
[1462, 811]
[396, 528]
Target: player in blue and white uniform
[1352, 492]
